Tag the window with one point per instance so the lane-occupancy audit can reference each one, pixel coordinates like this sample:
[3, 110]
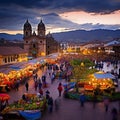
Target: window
[11, 59]
[26, 33]
[5, 60]
[8, 59]
[34, 46]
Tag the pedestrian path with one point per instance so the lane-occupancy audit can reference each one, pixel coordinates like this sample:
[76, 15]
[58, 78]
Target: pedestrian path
[69, 109]
[15, 95]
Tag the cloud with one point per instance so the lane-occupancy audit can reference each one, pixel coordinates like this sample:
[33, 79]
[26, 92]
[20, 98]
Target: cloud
[51, 20]
[90, 26]
[96, 6]
[13, 13]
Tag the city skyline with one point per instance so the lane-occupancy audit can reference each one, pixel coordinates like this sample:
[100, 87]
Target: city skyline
[59, 16]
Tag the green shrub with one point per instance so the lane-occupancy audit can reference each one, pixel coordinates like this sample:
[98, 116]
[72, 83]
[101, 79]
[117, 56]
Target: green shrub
[89, 97]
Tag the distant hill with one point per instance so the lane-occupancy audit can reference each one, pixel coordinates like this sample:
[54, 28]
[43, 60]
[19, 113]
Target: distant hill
[11, 37]
[85, 36]
[75, 36]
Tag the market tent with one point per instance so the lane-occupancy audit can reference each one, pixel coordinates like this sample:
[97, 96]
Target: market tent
[104, 76]
[18, 66]
[15, 68]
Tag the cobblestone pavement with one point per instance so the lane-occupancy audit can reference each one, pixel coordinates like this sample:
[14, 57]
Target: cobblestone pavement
[69, 109]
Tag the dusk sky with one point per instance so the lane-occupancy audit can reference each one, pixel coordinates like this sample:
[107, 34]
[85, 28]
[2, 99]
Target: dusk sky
[59, 15]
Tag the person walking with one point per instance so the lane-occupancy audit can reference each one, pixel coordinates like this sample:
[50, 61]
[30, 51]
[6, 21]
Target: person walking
[50, 104]
[27, 86]
[57, 103]
[114, 114]
[44, 81]
[95, 98]
[60, 89]
[47, 94]
[36, 85]
[106, 103]
[40, 85]
[17, 86]
[82, 99]
[41, 92]
[52, 77]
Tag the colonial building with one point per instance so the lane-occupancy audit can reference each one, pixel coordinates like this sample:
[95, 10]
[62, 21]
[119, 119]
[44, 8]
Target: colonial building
[52, 45]
[12, 54]
[37, 44]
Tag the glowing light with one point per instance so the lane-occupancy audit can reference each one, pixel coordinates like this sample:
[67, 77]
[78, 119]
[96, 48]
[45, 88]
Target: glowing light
[42, 54]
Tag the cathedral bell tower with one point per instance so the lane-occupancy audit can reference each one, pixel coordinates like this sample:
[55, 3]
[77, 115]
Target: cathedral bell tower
[41, 29]
[27, 29]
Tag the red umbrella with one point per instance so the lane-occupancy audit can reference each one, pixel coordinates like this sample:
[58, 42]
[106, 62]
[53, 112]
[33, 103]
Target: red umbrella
[4, 97]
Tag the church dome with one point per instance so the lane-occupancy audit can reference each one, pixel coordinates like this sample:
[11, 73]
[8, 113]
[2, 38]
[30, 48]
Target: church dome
[27, 25]
[41, 26]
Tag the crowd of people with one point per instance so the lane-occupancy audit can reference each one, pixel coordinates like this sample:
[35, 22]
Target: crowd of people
[42, 83]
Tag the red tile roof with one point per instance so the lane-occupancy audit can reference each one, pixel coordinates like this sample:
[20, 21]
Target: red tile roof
[11, 50]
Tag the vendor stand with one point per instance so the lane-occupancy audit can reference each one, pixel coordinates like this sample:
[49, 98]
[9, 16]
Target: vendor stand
[30, 108]
[4, 88]
[3, 100]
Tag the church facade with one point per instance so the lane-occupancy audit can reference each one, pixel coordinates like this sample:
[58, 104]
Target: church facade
[38, 44]
[34, 44]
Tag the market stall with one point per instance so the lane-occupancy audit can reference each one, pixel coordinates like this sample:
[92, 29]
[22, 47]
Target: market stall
[4, 97]
[101, 79]
[3, 100]
[30, 105]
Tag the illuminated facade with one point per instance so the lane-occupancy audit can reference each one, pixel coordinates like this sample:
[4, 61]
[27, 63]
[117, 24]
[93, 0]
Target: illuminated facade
[34, 44]
[12, 54]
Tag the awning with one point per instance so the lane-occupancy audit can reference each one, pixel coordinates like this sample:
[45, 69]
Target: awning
[15, 68]
[104, 75]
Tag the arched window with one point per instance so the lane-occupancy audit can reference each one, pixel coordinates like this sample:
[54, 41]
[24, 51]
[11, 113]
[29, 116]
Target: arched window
[26, 33]
[34, 46]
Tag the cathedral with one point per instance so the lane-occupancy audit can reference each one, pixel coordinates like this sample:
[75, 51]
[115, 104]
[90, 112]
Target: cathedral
[38, 44]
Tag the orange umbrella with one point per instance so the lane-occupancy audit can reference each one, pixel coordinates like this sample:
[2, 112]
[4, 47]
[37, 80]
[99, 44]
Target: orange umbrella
[4, 97]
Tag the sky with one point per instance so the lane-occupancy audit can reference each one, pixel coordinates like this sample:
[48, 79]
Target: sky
[59, 15]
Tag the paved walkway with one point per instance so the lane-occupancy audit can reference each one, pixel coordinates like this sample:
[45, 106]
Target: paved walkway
[69, 109]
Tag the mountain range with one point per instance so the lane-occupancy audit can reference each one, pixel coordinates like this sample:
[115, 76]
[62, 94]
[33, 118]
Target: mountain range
[74, 36]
